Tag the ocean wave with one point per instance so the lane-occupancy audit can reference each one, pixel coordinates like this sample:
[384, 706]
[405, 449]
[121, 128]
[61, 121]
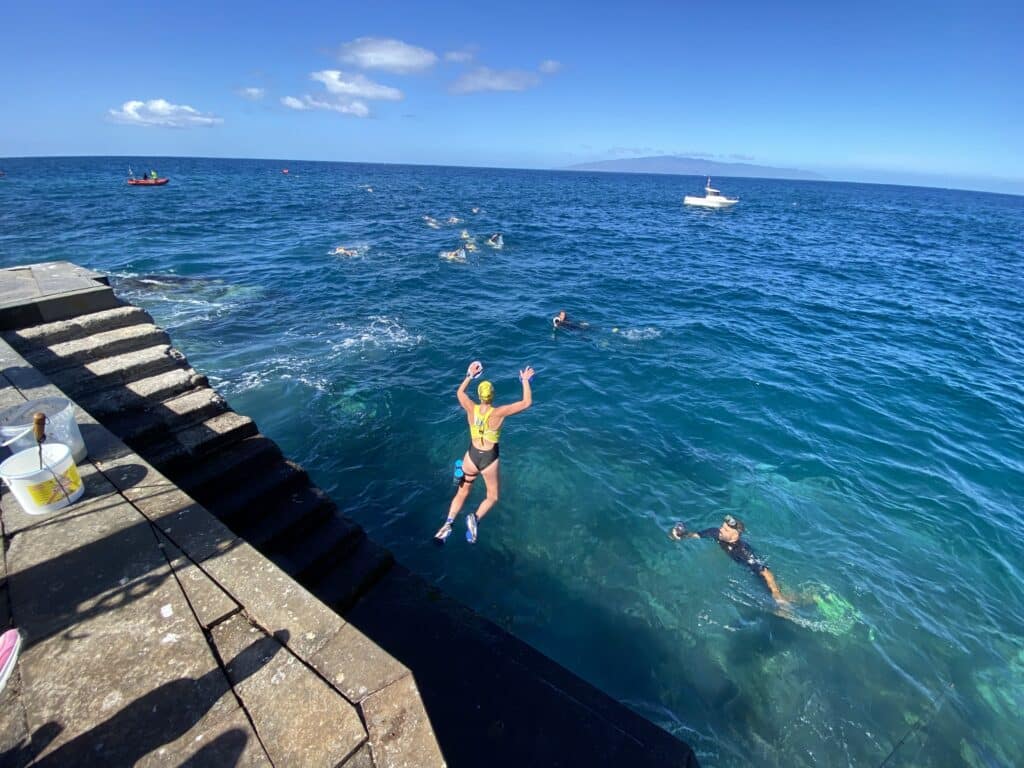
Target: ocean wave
[638, 334]
[380, 332]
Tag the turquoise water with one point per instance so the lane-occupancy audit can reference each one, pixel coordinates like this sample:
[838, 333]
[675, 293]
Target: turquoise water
[839, 365]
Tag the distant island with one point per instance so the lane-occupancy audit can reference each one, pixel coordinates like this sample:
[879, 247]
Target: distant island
[693, 166]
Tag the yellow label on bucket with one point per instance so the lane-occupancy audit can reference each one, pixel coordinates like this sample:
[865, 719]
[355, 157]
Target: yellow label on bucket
[49, 492]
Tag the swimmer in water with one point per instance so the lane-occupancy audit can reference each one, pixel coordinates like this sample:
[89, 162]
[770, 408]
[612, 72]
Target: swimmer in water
[728, 538]
[454, 220]
[464, 234]
[496, 240]
[561, 321]
[431, 222]
[474, 210]
[459, 254]
[485, 421]
[341, 251]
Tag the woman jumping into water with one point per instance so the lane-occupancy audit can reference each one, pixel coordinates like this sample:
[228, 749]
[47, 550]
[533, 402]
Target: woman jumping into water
[485, 422]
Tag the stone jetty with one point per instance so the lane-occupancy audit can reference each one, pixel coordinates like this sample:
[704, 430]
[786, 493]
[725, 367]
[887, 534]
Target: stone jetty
[205, 602]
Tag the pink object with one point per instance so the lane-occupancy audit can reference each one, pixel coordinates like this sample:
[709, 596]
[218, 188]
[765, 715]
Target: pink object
[10, 647]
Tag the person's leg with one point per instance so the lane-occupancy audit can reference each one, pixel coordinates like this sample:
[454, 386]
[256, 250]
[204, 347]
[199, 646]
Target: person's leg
[470, 474]
[492, 480]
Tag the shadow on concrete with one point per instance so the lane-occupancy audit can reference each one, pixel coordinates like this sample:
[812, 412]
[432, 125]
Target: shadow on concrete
[222, 752]
[22, 755]
[103, 575]
[165, 714]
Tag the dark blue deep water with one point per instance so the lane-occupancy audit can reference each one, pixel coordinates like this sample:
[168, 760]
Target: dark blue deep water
[839, 365]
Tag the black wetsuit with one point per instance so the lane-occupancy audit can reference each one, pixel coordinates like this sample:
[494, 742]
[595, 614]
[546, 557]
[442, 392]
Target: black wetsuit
[738, 550]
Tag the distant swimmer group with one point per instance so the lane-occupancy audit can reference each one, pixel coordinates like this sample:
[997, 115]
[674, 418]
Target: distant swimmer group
[485, 424]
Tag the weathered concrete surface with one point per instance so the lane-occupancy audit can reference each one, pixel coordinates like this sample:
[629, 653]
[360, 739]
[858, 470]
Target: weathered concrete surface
[356, 665]
[301, 720]
[106, 344]
[142, 392]
[119, 596]
[113, 653]
[400, 730]
[209, 602]
[118, 370]
[77, 327]
[272, 599]
[40, 293]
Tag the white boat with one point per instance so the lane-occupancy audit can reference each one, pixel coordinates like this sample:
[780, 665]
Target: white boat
[712, 198]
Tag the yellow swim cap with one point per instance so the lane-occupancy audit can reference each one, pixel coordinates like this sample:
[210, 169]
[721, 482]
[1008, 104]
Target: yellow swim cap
[486, 391]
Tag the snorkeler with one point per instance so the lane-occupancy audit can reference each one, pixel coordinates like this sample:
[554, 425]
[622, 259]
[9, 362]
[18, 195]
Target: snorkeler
[728, 538]
[485, 422]
[561, 321]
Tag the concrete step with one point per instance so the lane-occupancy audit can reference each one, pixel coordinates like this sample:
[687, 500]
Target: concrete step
[139, 395]
[257, 495]
[306, 506]
[229, 468]
[118, 370]
[308, 551]
[174, 453]
[47, 334]
[141, 428]
[343, 584]
[56, 357]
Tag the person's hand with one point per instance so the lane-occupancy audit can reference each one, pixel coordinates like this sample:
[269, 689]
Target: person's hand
[475, 369]
[677, 532]
[526, 374]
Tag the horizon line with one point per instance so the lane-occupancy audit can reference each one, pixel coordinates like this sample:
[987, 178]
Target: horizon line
[823, 180]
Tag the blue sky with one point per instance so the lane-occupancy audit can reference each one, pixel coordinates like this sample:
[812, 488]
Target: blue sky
[892, 91]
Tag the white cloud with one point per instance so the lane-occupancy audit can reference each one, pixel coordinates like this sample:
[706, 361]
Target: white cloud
[253, 94]
[354, 107]
[387, 54]
[346, 94]
[550, 66]
[160, 112]
[487, 79]
[459, 57]
[355, 86]
[293, 103]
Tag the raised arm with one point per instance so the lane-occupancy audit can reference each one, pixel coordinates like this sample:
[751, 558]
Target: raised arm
[507, 410]
[464, 400]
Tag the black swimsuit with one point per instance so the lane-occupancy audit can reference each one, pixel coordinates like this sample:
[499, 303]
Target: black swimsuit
[483, 459]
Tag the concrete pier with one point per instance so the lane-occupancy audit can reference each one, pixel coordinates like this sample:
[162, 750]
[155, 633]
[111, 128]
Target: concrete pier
[206, 602]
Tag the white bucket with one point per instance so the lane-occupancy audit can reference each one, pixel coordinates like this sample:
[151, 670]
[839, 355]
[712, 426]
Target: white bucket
[44, 490]
[61, 426]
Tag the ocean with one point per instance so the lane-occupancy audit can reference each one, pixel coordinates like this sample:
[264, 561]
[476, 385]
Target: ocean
[841, 366]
